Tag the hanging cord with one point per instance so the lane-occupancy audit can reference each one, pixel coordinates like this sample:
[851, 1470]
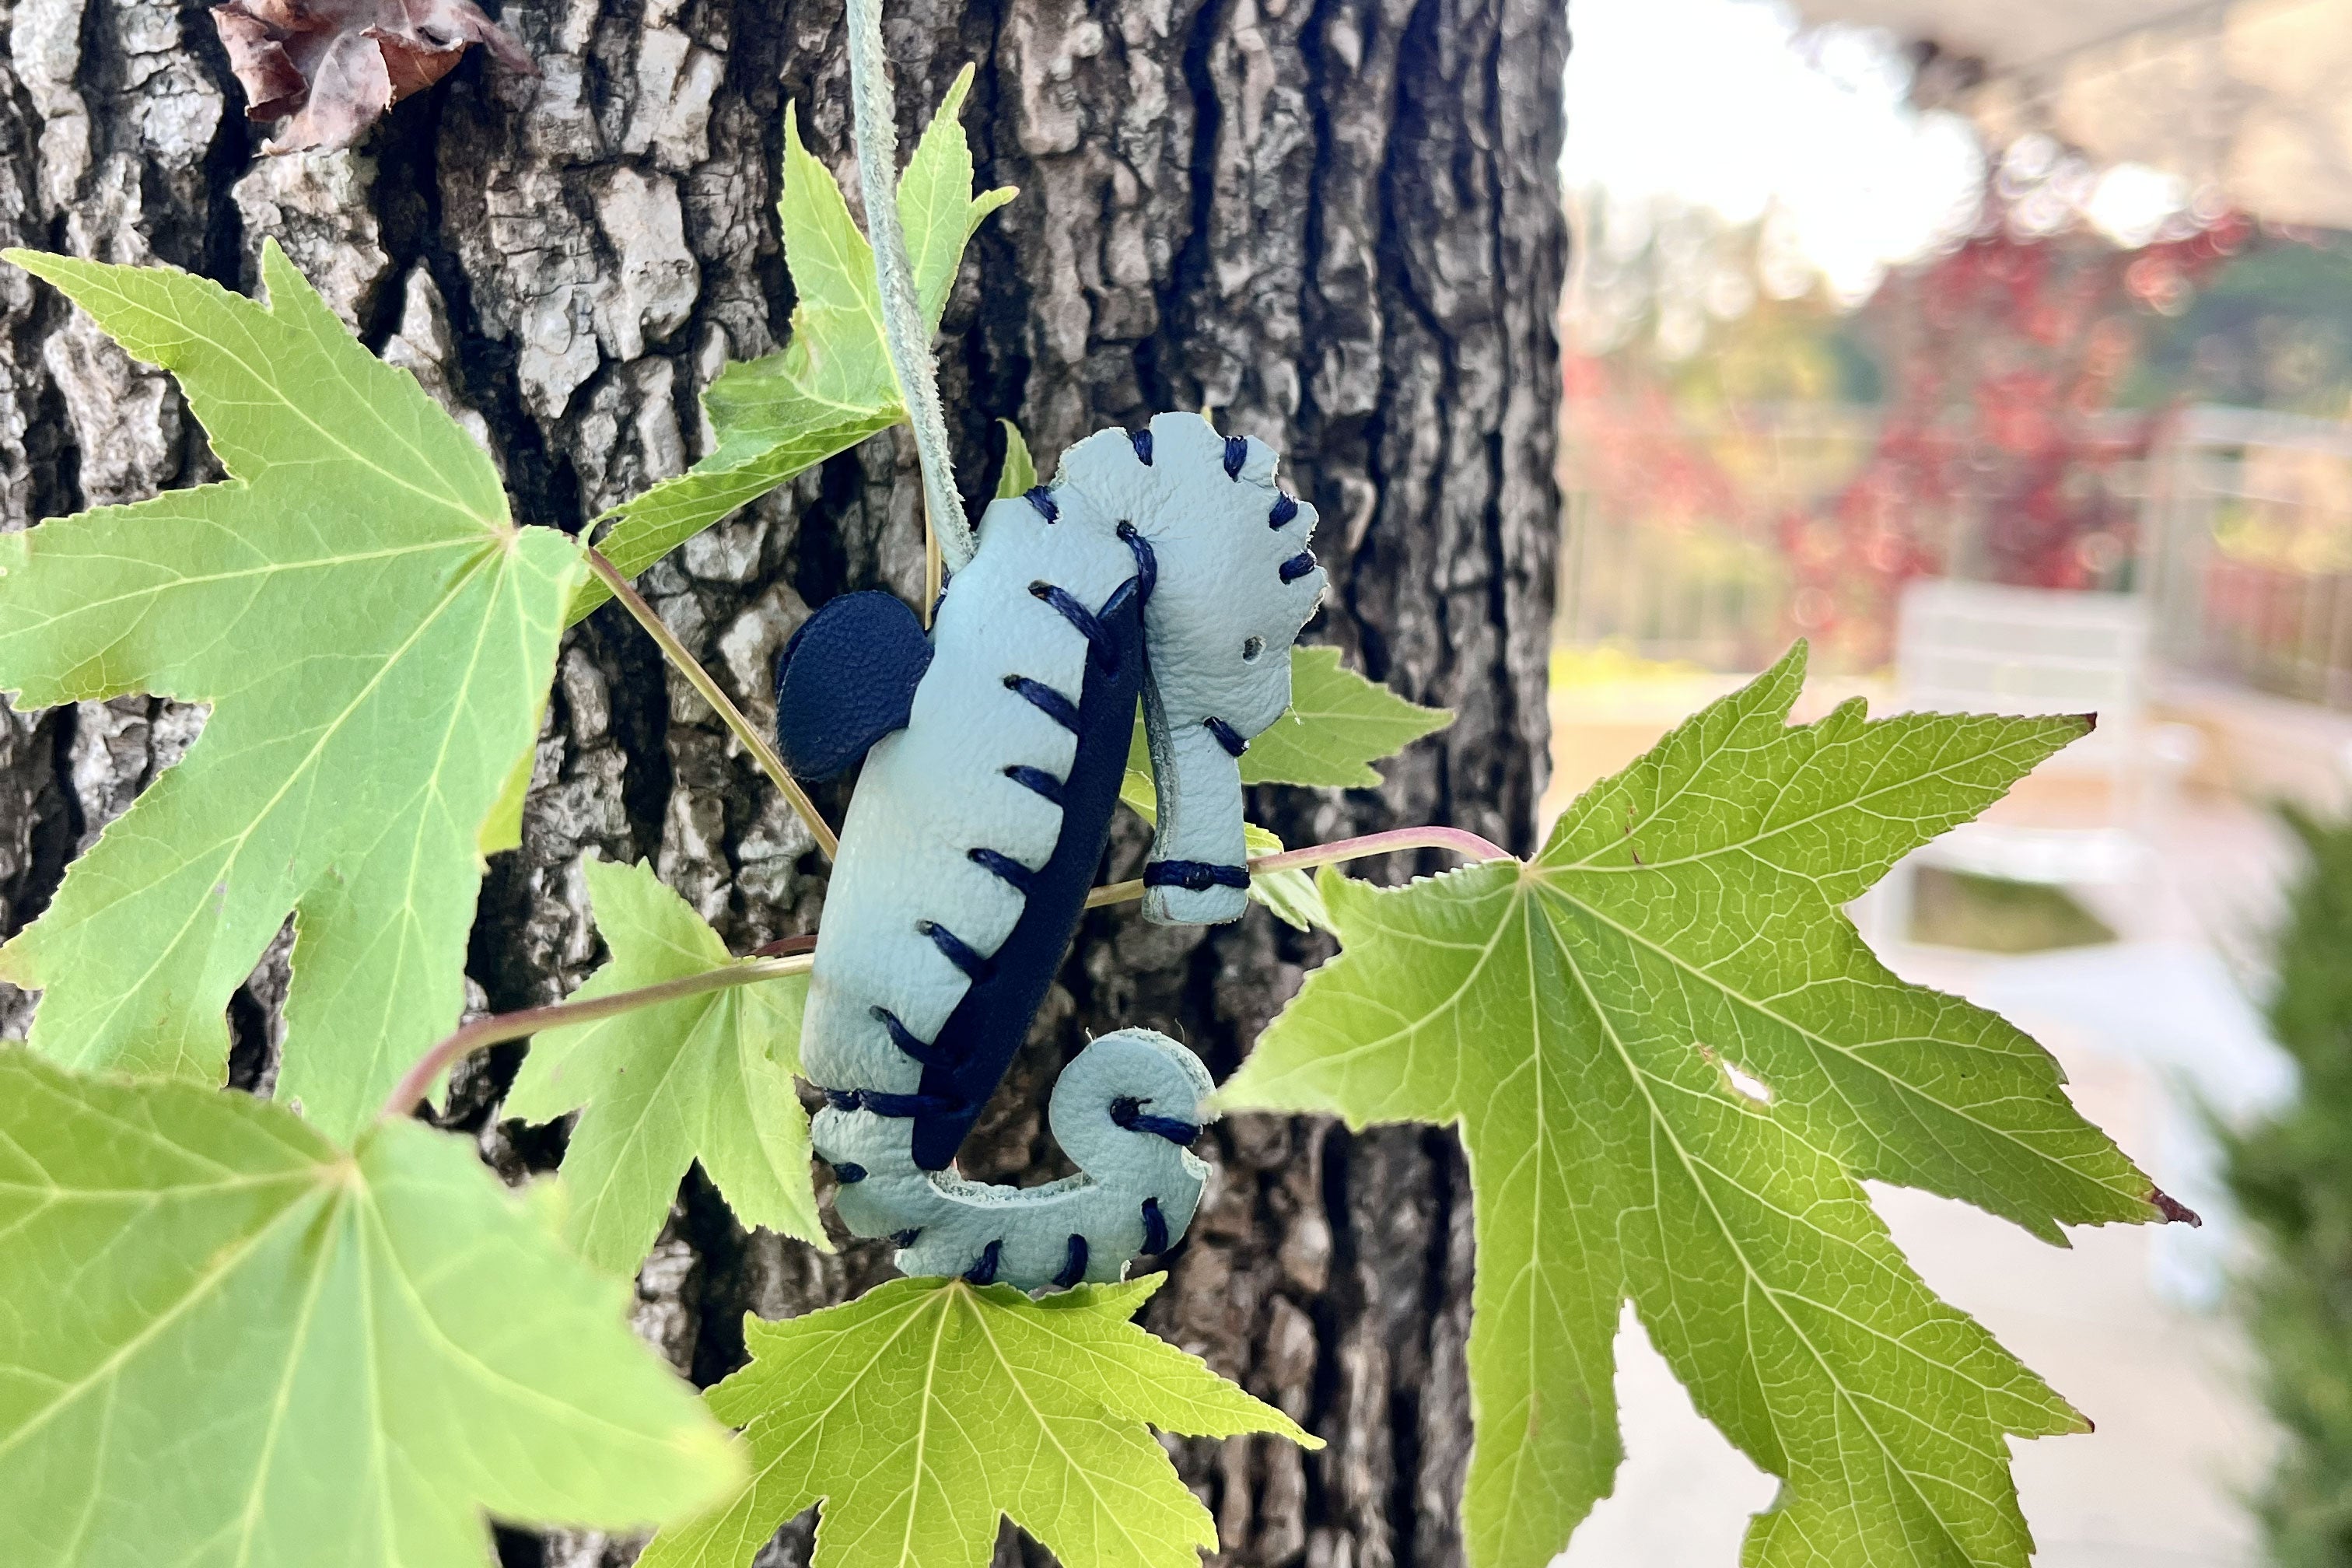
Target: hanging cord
[875, 129]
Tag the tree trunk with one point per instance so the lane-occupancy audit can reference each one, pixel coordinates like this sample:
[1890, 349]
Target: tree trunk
[1335, 226]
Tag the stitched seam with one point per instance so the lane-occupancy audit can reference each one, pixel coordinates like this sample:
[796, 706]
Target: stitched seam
[1198, 876]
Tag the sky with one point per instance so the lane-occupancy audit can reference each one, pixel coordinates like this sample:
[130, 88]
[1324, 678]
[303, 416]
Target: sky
[1723, 104]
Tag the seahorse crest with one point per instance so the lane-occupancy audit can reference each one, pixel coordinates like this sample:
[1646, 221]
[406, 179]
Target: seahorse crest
[1237, 578]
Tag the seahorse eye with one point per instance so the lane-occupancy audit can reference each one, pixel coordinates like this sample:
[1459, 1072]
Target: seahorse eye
[1251, 648]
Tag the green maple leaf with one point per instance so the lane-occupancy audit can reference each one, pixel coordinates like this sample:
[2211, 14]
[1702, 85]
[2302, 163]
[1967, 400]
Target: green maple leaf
[1339, 724]
[1293, 895]
[376, 637]
[1673, 1062]
[225, 1340]
[925, 1409]
[832, 385]
[1019, 475]
[706, 1077]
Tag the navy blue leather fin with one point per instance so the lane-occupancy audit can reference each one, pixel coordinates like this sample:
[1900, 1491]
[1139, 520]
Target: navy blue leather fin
[846, 680]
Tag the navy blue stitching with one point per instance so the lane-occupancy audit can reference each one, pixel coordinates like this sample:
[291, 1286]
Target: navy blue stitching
[1078, 616]
[1198, 876]
[1299, 565]
[1047, 701]
[1076, 1268]
[1236, 454]
[846, 1174]
[883, 1103]
[1036, 779]
[1041, 499]
[1147, 564]
[1228, 736]
[983, 1269]
[1142, 443]
[1285, 508]
[1155, 1227]
[1116, 606]
[1019, 877]
[958, 953]
[1126, 1111]
[900, 1036]
[906, 1238]
[923, 1052]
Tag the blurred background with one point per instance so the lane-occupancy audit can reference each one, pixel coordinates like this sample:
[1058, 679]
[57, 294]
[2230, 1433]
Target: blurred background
[2002, 350]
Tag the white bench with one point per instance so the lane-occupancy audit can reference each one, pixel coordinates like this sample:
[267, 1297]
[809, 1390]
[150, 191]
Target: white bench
[1973, 647]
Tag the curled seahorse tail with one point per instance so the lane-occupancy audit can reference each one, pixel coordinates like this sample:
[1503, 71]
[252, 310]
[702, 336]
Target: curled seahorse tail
[1128, 1103]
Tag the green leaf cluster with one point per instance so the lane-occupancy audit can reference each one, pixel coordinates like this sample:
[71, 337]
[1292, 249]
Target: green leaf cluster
[1673, 1064]
[226, 1339]
[831, 386]
[2293, 1176]
[249, 1332]
[926, 1409]
[282, 1333]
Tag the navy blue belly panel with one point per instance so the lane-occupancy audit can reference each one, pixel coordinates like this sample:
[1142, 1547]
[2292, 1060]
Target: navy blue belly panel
[977, 1042]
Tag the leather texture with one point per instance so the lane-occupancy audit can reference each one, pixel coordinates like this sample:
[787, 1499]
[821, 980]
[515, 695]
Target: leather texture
[979, 822]
[989, 1024]
[846, 678]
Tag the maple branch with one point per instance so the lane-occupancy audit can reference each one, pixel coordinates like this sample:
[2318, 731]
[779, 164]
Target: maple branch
[1460, 840]
[498, 1027]
[709, 690]
[784, 944]
[873, 126]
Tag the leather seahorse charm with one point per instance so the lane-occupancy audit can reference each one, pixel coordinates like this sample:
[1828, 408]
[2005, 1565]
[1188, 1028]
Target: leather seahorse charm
[1162, 565]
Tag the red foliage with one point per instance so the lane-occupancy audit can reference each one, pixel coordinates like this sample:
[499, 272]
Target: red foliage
[1631, 443]
[1999, 449]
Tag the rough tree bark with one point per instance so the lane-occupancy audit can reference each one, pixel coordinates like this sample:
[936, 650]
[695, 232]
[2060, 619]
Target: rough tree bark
[1335, 224]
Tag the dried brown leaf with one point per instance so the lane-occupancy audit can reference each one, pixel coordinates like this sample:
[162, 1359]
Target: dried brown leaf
[335, 66]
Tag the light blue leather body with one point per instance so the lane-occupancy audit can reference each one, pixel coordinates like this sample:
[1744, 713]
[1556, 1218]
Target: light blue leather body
[1227, 582]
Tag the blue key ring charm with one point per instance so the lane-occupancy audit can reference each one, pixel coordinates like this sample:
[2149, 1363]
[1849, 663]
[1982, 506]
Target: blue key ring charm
[1160, 565]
